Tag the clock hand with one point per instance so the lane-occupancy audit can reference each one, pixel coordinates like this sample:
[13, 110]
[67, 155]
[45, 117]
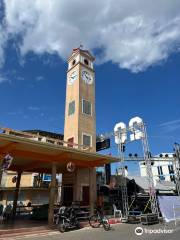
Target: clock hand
[87, 76]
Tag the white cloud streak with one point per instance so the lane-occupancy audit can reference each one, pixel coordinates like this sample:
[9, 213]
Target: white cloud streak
[171, 126]
[39, 78]
[33, 108]
[2, 79]
[133, 34]
[3, 39]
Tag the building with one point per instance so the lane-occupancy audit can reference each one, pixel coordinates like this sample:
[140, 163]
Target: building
[80, 118]
[163, 169]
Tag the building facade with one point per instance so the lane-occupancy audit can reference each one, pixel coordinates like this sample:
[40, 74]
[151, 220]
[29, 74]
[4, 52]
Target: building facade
[80, 122]
[34, 188]
[163, 170]
[80, 117]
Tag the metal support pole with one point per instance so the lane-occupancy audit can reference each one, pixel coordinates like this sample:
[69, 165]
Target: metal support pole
[105, 177]
[52, 195]
[1, 171]
[16, 194]
[76, 187]
[1, 175]
[123, 180]
[177, 167]
[92, 189]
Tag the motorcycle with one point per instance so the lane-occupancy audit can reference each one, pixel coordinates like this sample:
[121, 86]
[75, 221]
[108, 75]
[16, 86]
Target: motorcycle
[67, 219]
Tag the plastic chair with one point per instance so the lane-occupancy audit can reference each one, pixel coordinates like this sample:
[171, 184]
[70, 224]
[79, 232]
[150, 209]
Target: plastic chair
[117, 211]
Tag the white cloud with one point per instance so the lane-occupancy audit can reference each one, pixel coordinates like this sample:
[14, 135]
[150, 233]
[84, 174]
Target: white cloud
[39, 78]
[171, 126]
[20, 78]
[17, 112]
[2, 79]
[32, 108]
[133, 34]
[3, 38]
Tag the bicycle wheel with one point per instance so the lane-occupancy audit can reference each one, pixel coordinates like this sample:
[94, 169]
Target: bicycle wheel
[94, 221]
[106, 224]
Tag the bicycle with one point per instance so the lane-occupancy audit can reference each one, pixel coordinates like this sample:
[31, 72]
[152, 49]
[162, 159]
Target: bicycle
[99, 219]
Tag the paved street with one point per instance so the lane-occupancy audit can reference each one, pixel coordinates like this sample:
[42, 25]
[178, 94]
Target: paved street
[118, 231]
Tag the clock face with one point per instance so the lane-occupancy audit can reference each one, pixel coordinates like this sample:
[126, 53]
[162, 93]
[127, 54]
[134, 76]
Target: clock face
[87, 77]
[72, 78]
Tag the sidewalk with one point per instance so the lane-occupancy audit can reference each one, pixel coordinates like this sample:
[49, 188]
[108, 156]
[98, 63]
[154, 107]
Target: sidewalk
[20, 228]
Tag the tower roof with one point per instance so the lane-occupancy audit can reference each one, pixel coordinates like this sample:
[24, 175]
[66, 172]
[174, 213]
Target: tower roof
[83, 52]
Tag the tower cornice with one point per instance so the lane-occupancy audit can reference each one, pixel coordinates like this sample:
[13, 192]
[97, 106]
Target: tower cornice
[82, 52]
[82, 64]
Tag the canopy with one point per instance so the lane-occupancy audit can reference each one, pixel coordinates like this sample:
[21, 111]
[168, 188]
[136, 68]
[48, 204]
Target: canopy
[30, 155]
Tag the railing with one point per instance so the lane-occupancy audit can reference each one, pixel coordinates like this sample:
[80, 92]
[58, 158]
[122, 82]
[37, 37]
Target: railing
[40, 138]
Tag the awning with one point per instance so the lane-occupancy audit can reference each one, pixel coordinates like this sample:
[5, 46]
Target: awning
[35, 156]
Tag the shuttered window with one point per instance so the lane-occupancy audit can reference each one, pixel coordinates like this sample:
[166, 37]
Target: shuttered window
[86, 107]
[86, 140]
[71, 109]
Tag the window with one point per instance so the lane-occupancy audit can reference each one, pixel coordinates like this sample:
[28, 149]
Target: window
[74, 62]
[71, 108]
[160, 173]
[87, 140]
[86, 107]
[86, 61]
[171, 173]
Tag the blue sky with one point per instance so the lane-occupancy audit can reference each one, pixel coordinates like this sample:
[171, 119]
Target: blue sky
[141, 80]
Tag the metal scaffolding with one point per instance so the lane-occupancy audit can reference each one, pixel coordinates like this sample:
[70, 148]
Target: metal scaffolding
[177, 167]
[138, 130]
[148, 159]
[123, 181]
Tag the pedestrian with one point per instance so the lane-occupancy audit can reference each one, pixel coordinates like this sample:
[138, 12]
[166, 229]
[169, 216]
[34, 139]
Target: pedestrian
[8, 212]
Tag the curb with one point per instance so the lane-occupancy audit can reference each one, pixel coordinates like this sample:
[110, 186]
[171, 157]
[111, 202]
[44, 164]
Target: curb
[22, 232]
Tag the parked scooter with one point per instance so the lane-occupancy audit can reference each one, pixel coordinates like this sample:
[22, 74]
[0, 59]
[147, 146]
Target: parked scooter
[66, 219]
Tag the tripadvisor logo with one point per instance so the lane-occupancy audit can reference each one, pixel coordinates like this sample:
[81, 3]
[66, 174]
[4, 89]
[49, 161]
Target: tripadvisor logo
[139, 231]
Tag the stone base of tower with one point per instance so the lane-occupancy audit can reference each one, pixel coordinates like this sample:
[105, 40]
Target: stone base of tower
[80, 186]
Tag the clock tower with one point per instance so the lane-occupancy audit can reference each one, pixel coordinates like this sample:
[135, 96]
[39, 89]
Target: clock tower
[80, 126]
[80, 122]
